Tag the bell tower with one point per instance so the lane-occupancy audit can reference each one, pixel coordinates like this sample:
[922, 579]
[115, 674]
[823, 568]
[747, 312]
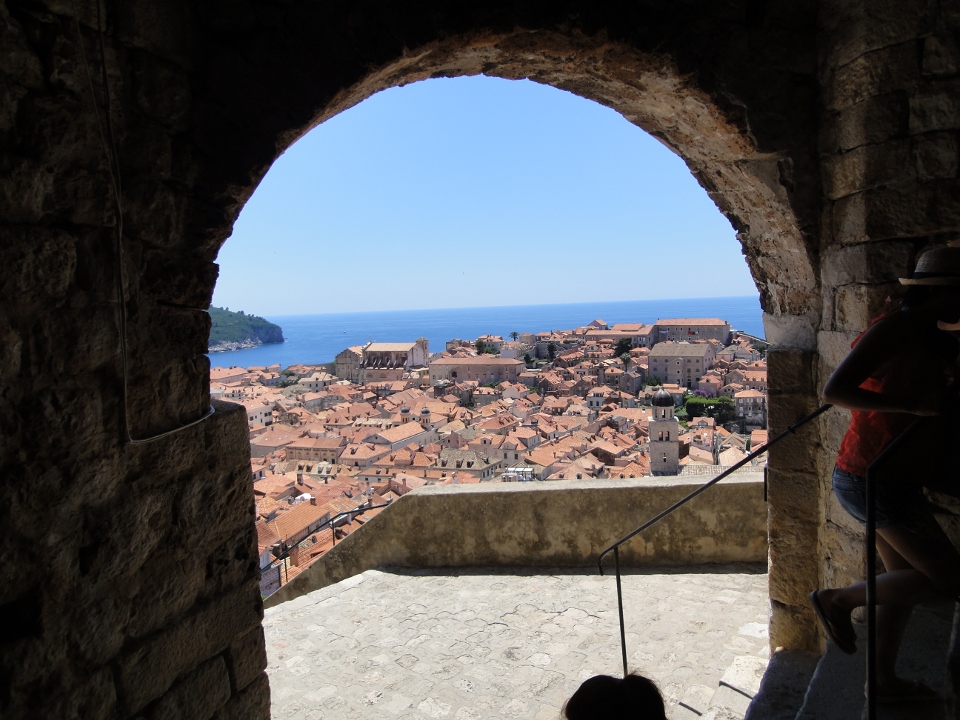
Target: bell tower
[664, 436]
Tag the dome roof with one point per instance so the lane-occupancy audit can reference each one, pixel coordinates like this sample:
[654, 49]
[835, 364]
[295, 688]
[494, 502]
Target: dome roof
[662, 398]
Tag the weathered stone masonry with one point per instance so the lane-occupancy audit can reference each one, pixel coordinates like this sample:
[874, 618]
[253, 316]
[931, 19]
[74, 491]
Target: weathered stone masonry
[827, 132]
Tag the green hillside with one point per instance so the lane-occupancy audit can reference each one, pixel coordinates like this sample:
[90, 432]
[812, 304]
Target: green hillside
[236, 327]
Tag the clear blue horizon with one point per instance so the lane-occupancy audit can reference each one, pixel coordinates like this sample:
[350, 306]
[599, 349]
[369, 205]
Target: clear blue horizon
[317, 338]
[486, 307]
[476, 191]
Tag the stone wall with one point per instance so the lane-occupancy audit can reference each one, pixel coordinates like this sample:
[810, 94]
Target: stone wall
[551, 524]
[104, 546]
[890, 82]
[130, 577]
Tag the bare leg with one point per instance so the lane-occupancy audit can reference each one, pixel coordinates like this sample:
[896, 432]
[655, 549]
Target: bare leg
[918, 568]
[891, 623]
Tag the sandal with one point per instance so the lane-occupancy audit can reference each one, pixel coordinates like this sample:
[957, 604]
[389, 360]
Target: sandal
[847, 645]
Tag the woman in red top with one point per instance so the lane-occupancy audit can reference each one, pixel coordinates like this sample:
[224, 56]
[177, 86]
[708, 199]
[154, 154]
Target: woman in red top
[901, 368]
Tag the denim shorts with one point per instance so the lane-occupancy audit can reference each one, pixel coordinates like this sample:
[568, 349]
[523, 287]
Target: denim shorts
[904, 506]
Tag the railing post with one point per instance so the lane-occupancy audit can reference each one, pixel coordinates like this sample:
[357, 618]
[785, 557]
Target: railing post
[615, 548]
[623, 632]
[871, 560]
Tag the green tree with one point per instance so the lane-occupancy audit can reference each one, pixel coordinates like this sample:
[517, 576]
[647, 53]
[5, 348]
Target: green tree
[626, 359]
[514, 335]
[527, 359]
[551, 351]
[623, 346]
[479, 345]
[722, 408]
[653, 381]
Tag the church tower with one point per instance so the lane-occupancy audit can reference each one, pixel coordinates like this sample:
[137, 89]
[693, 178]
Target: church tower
[664, 436]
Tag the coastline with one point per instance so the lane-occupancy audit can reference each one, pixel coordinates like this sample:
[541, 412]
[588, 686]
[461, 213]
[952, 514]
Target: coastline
[231, 346]
[316, 339]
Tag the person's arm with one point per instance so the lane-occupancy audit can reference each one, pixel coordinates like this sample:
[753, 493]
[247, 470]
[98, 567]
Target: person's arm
[874, 350]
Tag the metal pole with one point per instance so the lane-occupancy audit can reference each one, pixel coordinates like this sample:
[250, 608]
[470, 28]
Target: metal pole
[615, 548]
[730, 470]
[871, 560]
[623, 632]
[871, 554]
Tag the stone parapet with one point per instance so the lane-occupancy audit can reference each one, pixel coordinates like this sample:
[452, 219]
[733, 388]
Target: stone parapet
[550, 524]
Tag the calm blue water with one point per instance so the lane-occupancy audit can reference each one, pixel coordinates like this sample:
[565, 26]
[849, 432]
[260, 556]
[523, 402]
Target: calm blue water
[318, 338]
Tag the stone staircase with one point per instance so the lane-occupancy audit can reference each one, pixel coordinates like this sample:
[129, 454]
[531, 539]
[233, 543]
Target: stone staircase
[803, 686]
[732, 697]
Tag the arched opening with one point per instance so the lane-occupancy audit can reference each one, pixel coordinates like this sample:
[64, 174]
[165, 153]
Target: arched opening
[826, 132]
[205, 99]
[748, 185]
[473, 192]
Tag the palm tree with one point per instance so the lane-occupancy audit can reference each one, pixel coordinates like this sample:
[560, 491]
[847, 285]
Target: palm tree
[514, 335]
[626, 360]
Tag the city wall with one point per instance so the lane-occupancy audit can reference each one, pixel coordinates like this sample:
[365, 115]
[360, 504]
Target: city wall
[551, 524]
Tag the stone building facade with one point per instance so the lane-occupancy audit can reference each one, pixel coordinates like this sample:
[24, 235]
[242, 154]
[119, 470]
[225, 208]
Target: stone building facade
[681, 363]
[390, 361]
[482, 369]
[347, 363]
[826, 132]
[687, 329]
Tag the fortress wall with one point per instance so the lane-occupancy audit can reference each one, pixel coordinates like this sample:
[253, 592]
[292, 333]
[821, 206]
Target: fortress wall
[551, 524]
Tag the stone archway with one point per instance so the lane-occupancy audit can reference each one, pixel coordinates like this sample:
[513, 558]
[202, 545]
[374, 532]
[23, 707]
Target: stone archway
[131, 578]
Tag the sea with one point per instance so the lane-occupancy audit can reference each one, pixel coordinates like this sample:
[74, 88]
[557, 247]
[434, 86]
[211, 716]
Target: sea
[316, 339]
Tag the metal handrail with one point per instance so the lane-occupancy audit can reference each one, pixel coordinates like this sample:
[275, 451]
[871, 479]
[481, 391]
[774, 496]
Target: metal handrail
[615, 548]
[871, 561]
[356, 511]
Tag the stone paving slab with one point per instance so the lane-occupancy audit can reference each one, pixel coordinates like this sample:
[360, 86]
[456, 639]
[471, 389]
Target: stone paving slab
[467, 645]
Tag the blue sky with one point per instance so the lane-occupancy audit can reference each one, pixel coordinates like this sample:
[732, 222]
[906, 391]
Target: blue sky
[472, 192]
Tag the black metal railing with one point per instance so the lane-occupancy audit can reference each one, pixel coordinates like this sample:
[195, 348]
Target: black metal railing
[615, 547]
[356, 512]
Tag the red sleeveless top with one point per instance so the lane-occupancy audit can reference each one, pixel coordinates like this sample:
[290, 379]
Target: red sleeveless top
[870, 431]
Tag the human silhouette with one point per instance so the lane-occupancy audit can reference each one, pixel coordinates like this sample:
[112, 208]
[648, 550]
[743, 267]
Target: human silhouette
[603, 697]
[902, 368]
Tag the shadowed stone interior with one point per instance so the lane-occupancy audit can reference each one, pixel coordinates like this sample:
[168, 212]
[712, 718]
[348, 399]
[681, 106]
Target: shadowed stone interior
[826, 131]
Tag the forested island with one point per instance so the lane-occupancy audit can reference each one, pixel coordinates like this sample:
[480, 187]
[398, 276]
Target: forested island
[237, 330]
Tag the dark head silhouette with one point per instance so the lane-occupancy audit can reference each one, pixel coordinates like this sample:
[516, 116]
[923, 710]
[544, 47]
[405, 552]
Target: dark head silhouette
[603, 697]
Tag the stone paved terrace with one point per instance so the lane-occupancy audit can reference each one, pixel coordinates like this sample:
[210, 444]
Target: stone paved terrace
[466, 645]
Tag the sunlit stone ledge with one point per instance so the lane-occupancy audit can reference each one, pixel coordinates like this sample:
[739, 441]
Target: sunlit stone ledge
[551, 524]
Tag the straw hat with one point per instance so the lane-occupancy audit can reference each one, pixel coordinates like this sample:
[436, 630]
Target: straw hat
[939, 266]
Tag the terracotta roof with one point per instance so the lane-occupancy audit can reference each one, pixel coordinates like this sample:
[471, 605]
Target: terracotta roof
[389, 347]
[483, 360]
[692, 321]
[266, 537]
[402, 432]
